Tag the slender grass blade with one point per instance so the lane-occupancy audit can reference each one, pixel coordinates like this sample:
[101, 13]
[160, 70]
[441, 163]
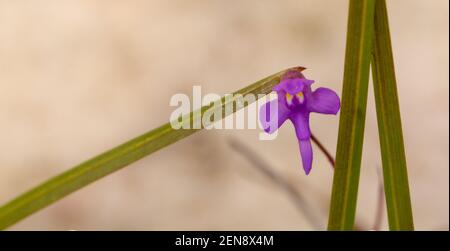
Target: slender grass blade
[352, 117]
[395, 174]
[85, 173]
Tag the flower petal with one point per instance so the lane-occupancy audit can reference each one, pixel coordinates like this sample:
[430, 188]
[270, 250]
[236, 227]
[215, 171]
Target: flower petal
[324, 100]
[273, 114]
[293, 86]
[300, 119]
[281, 87]
[307, 154]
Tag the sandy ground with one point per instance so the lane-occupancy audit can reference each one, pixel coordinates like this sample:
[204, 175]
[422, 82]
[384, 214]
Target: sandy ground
[79, 77]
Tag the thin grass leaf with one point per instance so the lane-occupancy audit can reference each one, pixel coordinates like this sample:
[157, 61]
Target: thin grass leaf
[389, 125]
[116, 158]
[353, 113]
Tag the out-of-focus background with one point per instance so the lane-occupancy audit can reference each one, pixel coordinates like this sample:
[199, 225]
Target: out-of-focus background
[79, 77]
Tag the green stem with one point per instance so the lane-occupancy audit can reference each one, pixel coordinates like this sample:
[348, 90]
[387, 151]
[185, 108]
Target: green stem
[389, 125]
[114, 159]
[353, 113]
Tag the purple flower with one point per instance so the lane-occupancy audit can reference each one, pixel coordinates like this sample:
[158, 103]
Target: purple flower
[295, 102]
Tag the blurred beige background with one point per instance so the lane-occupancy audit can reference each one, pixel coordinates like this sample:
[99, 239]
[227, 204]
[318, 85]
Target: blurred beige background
[79, 77]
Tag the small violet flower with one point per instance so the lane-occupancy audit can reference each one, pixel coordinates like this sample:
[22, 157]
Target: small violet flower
[295, 102]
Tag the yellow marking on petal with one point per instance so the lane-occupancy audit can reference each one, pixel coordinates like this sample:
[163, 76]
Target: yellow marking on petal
[289, 98]
[300, 97]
